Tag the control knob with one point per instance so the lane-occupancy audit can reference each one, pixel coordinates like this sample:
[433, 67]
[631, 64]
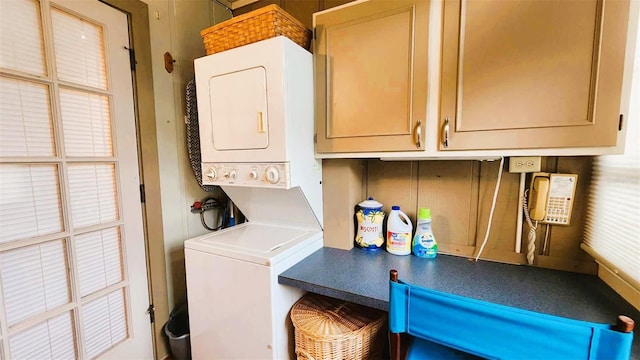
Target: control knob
[211, 173]
[272, 175]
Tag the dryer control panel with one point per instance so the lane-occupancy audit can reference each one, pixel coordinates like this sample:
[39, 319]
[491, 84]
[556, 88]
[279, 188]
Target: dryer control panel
[264, 175]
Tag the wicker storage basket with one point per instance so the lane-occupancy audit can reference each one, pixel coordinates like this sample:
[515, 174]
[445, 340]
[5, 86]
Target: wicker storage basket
[261, 24]
[327, 328]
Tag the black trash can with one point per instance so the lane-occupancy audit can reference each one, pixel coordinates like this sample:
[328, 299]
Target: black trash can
[177, 330]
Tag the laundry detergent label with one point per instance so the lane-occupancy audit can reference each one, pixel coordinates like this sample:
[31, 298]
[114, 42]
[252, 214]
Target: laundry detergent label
[427, 241]
[398, 243]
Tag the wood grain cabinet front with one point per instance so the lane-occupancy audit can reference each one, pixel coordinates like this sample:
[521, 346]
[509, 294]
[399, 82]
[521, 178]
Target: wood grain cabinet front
[371, 76]
[531, 74]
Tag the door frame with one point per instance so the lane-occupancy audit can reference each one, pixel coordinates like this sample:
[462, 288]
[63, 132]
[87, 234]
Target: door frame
[140, 38]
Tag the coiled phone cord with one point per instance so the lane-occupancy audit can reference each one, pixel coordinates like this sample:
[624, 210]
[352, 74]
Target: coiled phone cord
[531, 237]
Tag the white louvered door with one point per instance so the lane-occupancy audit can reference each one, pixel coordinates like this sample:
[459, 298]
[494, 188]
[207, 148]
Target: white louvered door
[73, 276]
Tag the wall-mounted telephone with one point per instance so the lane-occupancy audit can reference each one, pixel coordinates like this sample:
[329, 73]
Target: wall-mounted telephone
[551, 197]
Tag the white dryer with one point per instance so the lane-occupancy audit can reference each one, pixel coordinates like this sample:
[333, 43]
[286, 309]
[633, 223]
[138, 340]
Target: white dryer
[262, 96]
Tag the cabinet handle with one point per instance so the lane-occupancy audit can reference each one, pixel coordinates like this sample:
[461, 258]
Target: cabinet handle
[260, 122]
[418, 134]
[445, 132]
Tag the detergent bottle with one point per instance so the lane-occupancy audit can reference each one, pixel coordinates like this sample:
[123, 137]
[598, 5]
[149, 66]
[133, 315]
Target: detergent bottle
[399, 229]
[424, 243]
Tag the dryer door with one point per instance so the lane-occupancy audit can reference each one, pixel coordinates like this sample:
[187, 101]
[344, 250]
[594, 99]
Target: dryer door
[239, 110]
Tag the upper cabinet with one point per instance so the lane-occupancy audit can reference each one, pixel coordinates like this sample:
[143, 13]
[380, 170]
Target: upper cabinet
[371, 76]
[531, 74]
[471, 78]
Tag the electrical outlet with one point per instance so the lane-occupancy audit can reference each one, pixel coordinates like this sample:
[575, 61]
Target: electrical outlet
[525, 164]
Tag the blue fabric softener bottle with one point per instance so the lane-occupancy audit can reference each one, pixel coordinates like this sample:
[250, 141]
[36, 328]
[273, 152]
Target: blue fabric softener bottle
[424, 243]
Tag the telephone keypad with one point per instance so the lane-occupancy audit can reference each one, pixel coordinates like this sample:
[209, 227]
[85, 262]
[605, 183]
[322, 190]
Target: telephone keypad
[558, 210]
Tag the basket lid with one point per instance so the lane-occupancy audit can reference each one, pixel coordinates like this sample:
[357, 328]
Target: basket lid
[325, 316]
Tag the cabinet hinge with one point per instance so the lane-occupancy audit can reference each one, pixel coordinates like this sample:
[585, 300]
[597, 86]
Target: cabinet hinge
[620, 122]
[315, 138]
[152, 313]
[143, 197]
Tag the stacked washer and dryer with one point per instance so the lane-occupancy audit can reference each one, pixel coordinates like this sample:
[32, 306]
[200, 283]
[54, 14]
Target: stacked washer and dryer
[255, 109]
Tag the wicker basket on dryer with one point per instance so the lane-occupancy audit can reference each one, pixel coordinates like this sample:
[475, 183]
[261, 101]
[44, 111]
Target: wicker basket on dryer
[261, 24]
[327, 328]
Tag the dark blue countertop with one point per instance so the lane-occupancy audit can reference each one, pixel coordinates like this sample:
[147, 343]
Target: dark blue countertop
[363, 277]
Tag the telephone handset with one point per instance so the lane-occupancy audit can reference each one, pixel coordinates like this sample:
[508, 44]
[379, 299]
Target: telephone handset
[539, 192]
[551, 197]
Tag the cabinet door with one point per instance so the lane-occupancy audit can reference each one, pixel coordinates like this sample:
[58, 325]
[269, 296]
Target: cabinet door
[239, 110]
[371, 76]
[531, 73]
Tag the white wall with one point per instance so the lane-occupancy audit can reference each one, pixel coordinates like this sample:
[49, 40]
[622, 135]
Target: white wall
[175, 27]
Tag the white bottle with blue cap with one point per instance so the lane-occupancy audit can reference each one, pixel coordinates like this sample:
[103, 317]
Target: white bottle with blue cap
[399, 230]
